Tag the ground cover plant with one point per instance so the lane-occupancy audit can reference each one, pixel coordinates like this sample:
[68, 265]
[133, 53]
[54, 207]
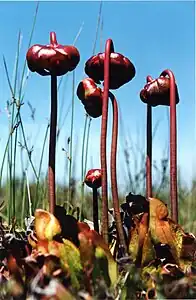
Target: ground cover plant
[102, 246]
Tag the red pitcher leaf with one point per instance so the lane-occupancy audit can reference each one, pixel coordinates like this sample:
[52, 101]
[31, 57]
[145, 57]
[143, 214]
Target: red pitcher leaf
[158, 209]
[142, 232]
[87, 251]
[98, 241]
[143, 229]
[46, 225]
[83, 227]
[185, 242]
[134, 240]
[160, 227]
[42, 247]
[148, 252]
[95, 237]
[87, 257]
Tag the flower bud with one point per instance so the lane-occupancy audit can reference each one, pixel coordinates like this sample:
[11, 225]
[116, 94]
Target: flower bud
[93, 178]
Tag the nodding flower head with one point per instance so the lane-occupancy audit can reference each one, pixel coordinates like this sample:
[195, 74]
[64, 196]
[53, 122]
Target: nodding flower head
[52, 59]
[91, 96]
[121, 69]
[157, 91]
[93, 178]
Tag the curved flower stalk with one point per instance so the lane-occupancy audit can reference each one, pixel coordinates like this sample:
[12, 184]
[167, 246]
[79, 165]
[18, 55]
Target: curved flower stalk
[53, 60]
[163, 91]
[115, 198]
[115, 70]
[93, 180]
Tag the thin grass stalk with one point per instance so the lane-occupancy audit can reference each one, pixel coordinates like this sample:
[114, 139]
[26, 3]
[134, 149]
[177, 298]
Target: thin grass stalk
[21, 156]
[19, 119]
[10, 146]
[40, 166]
[19, 105]
[82, 166]
[29, 44]
[71, 140]
[20, 101]
[3, 160]
[101, 36]
[23, 204]
[98, 26]
[87, 145]
[59, 84]
[16, 128]
[29, 195]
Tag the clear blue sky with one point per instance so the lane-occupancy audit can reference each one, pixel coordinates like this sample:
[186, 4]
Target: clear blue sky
[154, 35]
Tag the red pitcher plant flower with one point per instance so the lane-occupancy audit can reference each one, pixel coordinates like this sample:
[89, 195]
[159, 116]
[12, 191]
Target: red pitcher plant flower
[157, 91]
[163, 91]
[115, 70]
[54, 60]
[93, 180]
[91, 97]
[121, 69]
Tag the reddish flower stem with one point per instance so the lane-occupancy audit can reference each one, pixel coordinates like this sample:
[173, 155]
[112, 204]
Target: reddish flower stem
[104, 228]
[95, 210]
[52, 145]
[52, 142]
[149, 148]
[113, 174]
[173, 146]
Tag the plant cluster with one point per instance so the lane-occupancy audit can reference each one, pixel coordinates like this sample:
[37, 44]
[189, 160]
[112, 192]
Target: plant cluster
[136, 251]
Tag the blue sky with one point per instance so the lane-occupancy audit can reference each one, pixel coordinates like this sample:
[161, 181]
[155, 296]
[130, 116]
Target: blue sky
[153, 35]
